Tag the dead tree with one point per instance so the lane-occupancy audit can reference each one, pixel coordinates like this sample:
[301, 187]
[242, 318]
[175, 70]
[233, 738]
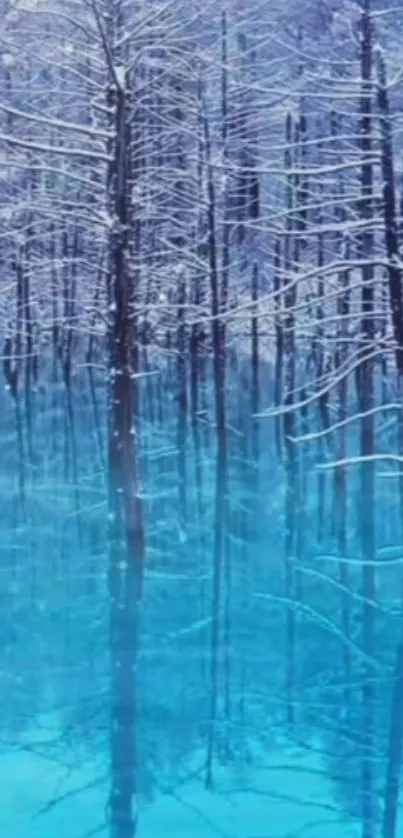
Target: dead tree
[395, 746]
[221, 469]
[366, 402]
[125, 516]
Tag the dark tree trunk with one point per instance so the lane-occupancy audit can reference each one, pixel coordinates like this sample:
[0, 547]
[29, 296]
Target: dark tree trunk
[221, 471]
[291, 460]
[366, 401]
[279, 357]
[255, 385]
[126, 535]
[340, 473]
[394, 757]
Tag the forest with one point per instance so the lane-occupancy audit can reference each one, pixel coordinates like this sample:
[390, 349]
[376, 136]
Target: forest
[201, 425]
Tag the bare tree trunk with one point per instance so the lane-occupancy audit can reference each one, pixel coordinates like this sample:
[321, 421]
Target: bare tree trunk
[255, 389]
[89, 360]
[198, 351]
[126, 535]
[221, 472]
[395, 748]
[291, 461]
[340, 474]
[13, 357]
[279, 358]
[66, 358]
[29, 360]
[323, 399]
[178, 200]
[181, 437]
[223, 305]
[366, 400]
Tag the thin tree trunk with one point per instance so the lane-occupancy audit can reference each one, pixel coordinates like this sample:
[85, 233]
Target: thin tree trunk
[291, 463]
[340, 475]
[255, 389]
[279, 357]
[221, 471]
[366, 400]
[223, 305]
[395, 746]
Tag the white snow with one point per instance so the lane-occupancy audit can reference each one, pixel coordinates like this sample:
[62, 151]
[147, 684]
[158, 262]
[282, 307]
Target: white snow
[120, 74]
[8, 60]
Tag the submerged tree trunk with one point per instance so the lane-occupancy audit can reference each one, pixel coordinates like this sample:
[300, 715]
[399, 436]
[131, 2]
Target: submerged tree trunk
[366, 402]
[395, 745]
[221, 468]
[291, 460]
[126, 537]
[255, 384]
[279, 357]
[340, 474]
